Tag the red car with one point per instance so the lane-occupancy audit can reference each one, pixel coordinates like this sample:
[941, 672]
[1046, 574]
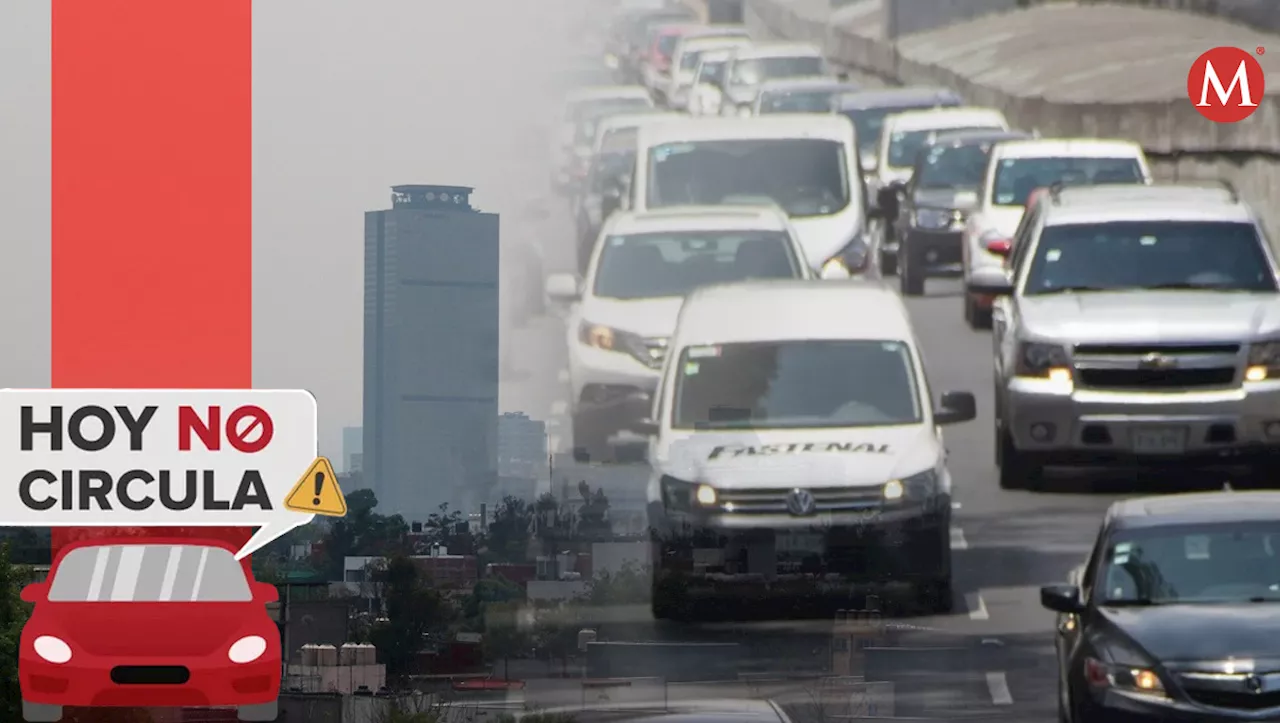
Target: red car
[155, 622]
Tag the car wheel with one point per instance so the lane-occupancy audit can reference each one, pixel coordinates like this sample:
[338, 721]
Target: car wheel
[910, 279]
[888, 263]
[1017, 470]
[259, 713]
[590, 442]
[41, 712]
[934, 594]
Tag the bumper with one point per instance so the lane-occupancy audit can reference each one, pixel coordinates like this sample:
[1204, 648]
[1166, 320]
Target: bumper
[1077, 426]
[610, 388]
[932, 249]
[1117, 707]
[719, 552]
[86, 681]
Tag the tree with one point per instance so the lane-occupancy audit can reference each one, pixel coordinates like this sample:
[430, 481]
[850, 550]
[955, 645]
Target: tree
[508, 534]
[550, 523]
[593, 513]
[629, 585]
[489, 591]
[503, 634]
[555, 632]
[13, 615]
[362, 532]
[414, 610]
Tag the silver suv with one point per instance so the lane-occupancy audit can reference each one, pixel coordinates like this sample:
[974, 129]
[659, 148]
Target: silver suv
[1136, 325]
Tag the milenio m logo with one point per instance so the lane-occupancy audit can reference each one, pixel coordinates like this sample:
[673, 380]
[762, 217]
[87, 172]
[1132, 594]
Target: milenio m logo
[1226, 84]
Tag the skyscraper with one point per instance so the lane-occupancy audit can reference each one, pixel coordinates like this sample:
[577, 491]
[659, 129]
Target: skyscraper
[352, 449]
[430, 351]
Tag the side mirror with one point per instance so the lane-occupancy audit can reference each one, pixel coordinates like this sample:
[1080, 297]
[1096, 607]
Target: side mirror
[990, 282]
[35, 592]
[265, 592]
[956, 407]
[563, 288]
[648, 427]
[888, 198]
[1063, 599]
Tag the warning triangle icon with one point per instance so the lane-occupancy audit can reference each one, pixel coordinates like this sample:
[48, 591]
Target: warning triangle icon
[317, 492]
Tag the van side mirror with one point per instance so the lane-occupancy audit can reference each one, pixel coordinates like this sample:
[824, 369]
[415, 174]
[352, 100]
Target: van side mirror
[265, 592]
[990, 282]
[35, 592]
[563, 288]
[956, 407]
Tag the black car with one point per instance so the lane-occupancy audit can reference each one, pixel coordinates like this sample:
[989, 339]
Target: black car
[1176, 614]
[929, 211]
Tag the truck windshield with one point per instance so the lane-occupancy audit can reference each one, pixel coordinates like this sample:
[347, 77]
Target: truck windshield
[796, 385]
[1135, 255]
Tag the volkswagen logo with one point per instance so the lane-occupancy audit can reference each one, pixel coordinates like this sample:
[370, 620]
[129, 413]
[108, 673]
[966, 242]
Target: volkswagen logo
[1157, 361]
[1253, 683]
[801, 503]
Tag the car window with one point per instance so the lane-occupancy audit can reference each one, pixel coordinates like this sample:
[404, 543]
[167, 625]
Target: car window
[1021, 239]
[952, 167]
[1128, 255]
[1016, 178]
[796, 385]
[149, 573]
[1233, 563]
[665, 264]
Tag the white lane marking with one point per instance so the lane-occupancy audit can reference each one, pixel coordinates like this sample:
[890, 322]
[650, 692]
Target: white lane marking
[563, 376]
[955, 505]
[977, 607]
[559, 408]
[957, 539]
[998, 686]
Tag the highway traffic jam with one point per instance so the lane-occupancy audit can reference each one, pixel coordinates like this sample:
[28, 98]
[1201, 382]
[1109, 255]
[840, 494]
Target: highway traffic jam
[755, 234]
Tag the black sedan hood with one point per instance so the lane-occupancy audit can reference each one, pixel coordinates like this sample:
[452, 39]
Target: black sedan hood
[1173, 633]
[943, 198]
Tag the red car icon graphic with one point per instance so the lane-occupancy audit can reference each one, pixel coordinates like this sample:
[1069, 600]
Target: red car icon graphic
[155, 622]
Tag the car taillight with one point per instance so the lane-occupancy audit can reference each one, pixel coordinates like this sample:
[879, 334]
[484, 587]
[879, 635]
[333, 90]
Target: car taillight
[998, 246]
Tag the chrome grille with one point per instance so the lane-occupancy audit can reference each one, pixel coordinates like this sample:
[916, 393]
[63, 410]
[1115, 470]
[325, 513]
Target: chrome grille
[1238, 691]
[1147, 367]
[774, 501]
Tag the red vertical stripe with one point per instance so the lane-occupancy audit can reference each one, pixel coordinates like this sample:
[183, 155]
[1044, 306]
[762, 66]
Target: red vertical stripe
[151, 194]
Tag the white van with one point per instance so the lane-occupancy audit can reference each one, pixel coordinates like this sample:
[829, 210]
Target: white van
[790, 429]
[807, 164]
[751, 65]
[904, 134]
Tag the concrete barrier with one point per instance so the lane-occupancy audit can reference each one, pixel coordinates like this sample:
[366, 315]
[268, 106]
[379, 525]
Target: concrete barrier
[674, 662]
[1181, 143]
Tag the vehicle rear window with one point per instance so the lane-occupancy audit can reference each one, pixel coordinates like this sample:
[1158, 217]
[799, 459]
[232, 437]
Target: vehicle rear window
[1136, 255]
[1016, 178]
[652, 265]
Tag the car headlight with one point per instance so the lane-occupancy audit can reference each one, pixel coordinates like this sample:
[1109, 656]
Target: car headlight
[933, 218]
[1264, 361]
[52, 649]
[1122, 677]
[854, 257]
[918, 487]
[247, 649]
[681, 495]
[650, 352]
[1043, 361]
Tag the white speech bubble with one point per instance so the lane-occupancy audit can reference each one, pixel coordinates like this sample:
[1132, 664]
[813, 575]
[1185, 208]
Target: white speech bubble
[49, 480]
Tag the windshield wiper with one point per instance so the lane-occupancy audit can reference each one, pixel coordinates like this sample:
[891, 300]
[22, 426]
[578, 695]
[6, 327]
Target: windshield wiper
[1184, 285]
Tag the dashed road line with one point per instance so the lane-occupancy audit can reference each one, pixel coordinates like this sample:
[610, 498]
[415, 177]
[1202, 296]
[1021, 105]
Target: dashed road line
[958, 542]
[998, 686]
[977, 607]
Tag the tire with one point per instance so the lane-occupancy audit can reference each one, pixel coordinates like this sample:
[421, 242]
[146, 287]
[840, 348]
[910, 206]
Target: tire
[590, 442]
[888, 263]
[935, 594]
[41, 712]
[259, 713]
[977, 318]
[1017, 470]
[910, 280]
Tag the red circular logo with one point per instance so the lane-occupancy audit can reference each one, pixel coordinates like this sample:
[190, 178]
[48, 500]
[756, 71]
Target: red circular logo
[1226, 84]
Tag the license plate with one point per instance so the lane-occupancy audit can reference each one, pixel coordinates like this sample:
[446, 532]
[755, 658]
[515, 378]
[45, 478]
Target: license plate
[799, 542]
[1159, 440]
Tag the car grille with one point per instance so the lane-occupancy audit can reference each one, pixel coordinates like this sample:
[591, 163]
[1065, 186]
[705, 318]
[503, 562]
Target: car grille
[774, 501]
[1156, 366]
[1238, 701]
[150, 675]
[651, 352]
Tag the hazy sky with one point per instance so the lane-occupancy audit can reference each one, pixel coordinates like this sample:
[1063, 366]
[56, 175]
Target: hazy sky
[350, 98]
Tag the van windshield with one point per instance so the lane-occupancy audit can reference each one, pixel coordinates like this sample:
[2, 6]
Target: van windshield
[795, 384]
[805, 176]
[905, 146]
[754, 71]
[149, 573]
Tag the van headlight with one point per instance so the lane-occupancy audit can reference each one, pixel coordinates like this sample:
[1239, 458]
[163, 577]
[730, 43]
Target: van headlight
[919, 487]
[1124, 677]
[854, 257]
[1264, 361]
[681, 495]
